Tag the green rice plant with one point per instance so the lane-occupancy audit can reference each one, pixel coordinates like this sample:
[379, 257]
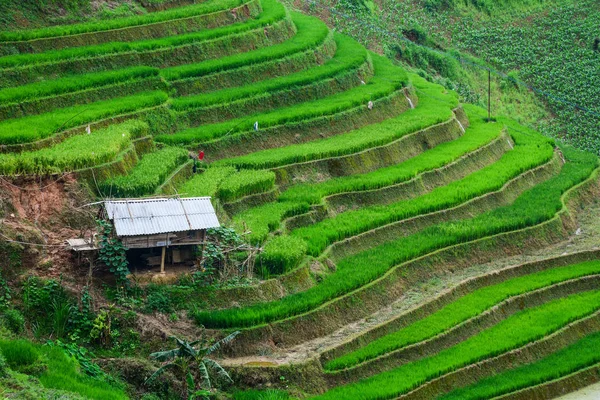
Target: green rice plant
[514, 332]
[206, 183]
[272, 12]
[36, 127]
[147, 175]
[267, 218]
[270, 394]
[73, 83]
[311, 32]
[461, 310]
[435, 106]
[529, 152]
[478, 134]
[117, 23]
[580, 355]
[244, 183]
[76, 152]
[387, 79]
[19, 353]
[533, 207]
[349, 55]
[282, 254]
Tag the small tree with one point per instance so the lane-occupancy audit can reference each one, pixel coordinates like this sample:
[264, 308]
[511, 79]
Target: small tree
[189, 357]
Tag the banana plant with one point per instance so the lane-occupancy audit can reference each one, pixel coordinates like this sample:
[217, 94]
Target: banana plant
[190, 356]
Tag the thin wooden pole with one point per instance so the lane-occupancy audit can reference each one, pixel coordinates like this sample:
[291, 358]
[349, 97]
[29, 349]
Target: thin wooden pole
[489, 95]
[162, 260]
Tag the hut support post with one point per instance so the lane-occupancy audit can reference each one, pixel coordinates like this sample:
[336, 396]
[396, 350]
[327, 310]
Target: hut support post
[162, 260]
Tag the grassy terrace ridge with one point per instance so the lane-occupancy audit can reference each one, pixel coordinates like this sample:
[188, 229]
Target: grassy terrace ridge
[147, 175]
[580, 355]
[73, 83]
[430, 111]
[205, 7]
[36, 127]
[466, 307]
[529, 152]
[311, 32]
[349, 55]
[272, 12]
[77, 152]
[62, 372]
[261, 220]
[514, 332]
[531, 208]
[387, 79]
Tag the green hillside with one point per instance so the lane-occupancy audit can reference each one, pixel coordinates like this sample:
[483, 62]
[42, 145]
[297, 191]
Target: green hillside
[353, 178]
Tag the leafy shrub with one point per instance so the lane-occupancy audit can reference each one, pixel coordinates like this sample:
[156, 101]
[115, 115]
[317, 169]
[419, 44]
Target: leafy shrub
[14, 320]
[283, 253]
[158, 300]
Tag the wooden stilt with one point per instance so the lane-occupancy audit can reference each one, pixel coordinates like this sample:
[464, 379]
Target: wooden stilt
[162, 260]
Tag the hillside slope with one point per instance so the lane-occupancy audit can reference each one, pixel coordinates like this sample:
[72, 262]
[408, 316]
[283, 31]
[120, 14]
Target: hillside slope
[355, 180]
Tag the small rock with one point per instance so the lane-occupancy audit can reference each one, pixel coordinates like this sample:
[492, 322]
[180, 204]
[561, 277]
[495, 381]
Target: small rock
[578, 231]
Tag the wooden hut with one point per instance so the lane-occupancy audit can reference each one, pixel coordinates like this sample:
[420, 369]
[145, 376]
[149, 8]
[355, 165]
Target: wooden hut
[166, 223]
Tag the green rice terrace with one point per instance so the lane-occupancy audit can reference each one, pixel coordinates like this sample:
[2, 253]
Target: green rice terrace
[378, 236]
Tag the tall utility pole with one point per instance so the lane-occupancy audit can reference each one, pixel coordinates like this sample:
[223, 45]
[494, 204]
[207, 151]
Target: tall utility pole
[489, 95]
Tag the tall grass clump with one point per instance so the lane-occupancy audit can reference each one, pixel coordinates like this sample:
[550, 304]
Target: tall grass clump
[147, 175]
[461, 310]
[311, 32]
[77, 152]
[36, 127]
[514, 332]
[273, 12]
[349, 55]
[244, 183]
[19, 353]
[534, 206]
[387, 79]
[74, 83]
[117, 23]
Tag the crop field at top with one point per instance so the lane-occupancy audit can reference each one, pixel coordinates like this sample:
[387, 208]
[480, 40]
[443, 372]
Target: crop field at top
[354, 179]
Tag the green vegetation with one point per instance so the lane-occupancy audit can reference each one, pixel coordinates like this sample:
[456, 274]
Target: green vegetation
[73, 83]
[533, 207]
[206, 183]
[273, 12]
[515, 331]
[528, 153]
[76, 152]
[36, 127]
[147, 175]
[461, 310]
[310, 33]
[182, 12]
[282, 254]
[386, 80]
[429, 112]
[582, 354]
[349, 55]
[244, 183]
[56, 370]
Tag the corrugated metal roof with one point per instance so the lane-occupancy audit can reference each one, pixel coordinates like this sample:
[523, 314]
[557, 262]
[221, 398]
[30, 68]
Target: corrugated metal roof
[134, 217]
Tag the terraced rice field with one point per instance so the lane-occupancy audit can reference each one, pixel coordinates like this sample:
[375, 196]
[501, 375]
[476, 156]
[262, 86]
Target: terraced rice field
[353, 175]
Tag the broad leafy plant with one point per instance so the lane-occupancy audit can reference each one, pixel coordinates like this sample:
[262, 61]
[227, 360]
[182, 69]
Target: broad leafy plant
[191, 359]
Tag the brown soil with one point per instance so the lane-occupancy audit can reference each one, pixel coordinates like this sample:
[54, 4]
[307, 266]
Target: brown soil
[586, 237]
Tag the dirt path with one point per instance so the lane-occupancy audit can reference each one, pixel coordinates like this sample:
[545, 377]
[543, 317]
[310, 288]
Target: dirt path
[587, 237]
[591, 392]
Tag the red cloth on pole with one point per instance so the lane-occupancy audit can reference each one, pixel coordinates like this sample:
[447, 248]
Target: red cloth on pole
[200, 155]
